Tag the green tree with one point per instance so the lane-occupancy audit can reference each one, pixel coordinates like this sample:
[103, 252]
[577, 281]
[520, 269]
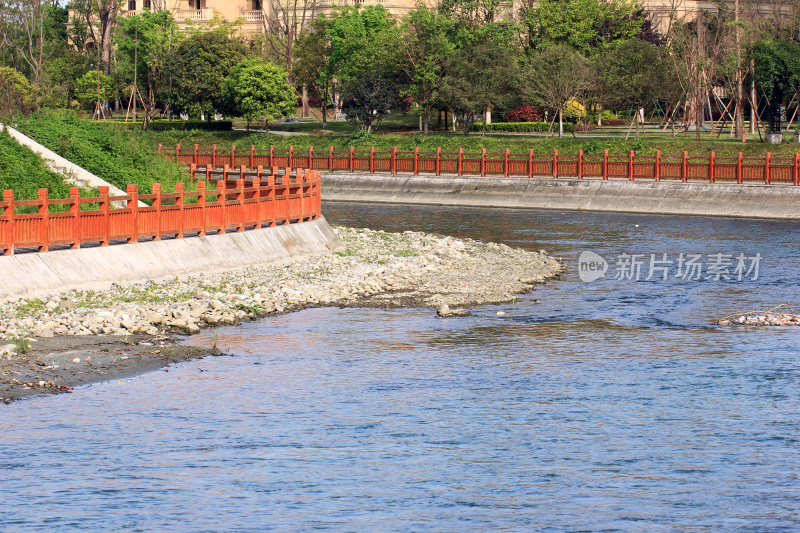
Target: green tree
[87, 87]
[312, 53]
[426, 51]
[632, 75]
[479, 77]
[556, 75]
[361, 39]
[256, 89]
[369, 98]
[588, 26]
[16, 93]
[777, 71]
[199, 66]
[145, 42]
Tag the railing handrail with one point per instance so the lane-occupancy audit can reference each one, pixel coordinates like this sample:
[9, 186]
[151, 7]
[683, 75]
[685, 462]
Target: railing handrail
[631, 167]
[271, 198]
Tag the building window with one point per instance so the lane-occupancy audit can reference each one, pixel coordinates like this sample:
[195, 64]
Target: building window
[132, 5]
[146, 4]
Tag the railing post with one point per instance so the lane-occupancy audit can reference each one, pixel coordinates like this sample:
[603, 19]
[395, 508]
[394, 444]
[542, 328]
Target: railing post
[160, 148]
[350, 164]
[711, 167]
[75, 210]
[252, 156]
[555, 163]
[372, 160]
[393, 161]
[579, 169]
[178, 153]
[657, 167]
[483, 162]
[767, 162]
[201, 200]
[460, 161]
[222, 198]
[196, 158]
[256, 185]
[44, 219]
[291, 156]
[208, 172]
[630, 165]
[240, 200]
[300, 179]
[242, 170]
[796, 169]
[8, 197]
[330, 158]
[438, 160]
[739, 168]
[179, 201]
[530, 163]
[685, 167]
[505, 163]
[133, 205]
[104, 208]
[605, 165]
[233, 155]
[310, 157]
[193, 172]
[214, 155]
[271, 155]
[416, 160]
[157, 204]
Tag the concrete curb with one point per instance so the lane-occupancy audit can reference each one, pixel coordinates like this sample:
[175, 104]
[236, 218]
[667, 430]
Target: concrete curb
[36, 274]
[668, 198]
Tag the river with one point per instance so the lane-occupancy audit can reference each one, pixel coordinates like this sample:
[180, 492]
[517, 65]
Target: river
[603, 405]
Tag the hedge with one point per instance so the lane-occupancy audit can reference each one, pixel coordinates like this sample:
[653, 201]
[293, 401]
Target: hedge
[522, 127]
[183, 125]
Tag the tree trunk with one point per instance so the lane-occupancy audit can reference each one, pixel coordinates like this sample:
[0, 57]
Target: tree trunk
[324, 106]
[753, 100]
[560, 122]
[426, 119]
[305, 100]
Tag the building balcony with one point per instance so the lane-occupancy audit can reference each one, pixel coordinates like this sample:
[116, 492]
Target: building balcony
[195, 15]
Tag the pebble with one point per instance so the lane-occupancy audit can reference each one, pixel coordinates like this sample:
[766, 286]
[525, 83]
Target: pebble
[391, 269]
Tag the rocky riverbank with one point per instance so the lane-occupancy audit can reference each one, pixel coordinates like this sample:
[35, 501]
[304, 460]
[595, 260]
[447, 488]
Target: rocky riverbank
[374, 268]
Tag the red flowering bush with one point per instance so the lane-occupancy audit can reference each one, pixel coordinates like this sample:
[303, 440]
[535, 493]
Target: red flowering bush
[526, 113]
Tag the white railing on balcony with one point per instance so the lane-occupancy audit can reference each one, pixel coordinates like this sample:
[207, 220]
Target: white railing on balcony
[253, 15]
[194, 14]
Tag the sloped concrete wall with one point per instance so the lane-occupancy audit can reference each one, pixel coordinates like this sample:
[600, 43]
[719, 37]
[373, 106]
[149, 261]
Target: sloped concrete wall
[36, 274]
[751, 201]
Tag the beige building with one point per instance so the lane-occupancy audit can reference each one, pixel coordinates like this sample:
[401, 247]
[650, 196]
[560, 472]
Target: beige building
[255, 14]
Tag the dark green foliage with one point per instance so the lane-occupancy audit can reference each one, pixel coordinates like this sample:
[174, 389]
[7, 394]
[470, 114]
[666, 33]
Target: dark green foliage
[369, 98]
[113, 152]
[520, 127]
[25, 172]
[199, 66]
[185, 125]
[777, 70]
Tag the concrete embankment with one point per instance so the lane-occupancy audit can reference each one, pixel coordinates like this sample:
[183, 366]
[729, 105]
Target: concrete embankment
[35, 274]
[669, 198]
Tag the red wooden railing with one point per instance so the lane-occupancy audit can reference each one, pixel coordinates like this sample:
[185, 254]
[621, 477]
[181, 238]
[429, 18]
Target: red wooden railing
[252, 202]
[632, 167]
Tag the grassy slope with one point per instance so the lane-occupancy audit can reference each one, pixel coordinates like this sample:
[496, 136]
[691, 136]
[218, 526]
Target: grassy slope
[24, 172]
[112, 152]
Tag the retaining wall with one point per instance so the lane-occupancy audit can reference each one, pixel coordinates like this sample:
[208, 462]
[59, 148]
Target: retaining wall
[728, 200]
[37, 274]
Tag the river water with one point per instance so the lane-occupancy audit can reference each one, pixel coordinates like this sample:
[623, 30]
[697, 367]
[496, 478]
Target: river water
[609, 405]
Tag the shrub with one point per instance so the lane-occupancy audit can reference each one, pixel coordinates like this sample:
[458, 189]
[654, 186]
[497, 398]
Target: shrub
[16, 94]
[521, 127]
[526, 113]
[615, 122]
